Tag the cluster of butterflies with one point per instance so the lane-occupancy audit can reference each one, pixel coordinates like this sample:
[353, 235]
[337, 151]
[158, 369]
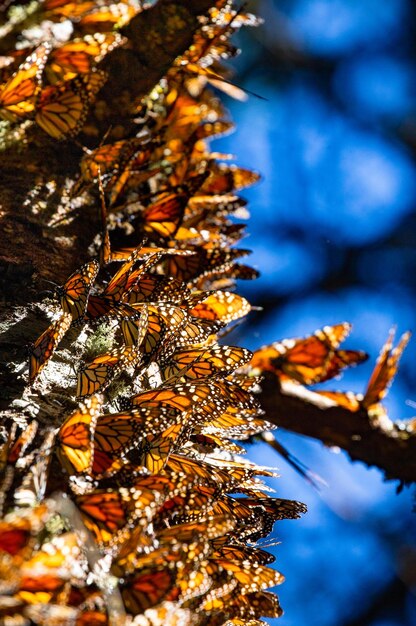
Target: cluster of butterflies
[135, 501]
[318, 358]
[131, 501]
[148, 499]
[55, 83]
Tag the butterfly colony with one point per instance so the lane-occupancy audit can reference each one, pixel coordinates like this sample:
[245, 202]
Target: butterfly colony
[132, 502]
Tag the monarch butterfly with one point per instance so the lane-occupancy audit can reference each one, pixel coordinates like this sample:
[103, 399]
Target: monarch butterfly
[114, 162]
[204, 443]
[180, 398]
[202, 262]
[153, 452]
[45, 345]
[89, 16]
[164, 216]
[97, 374]
[146, 588]
[234, 395]
[125, 279]
[236, 508]
[17, 95]
[219, 128]
[342, 359]
[162, 319]
[194, 500]
[215, 474]
[220, 305]
[212, 397]
[156, 288]
[183, 397]
[79, 56]
[193, 470]
[74, 437]
[110, 16]
[278, 508]
[221, 204]
[235, 424]
[196, 331]
[204, 362]
[224, 549]
[105, 160]
[213, 42]
[250, 578]
[244, 606]
[106, 512]
[142, 166]
[384, 371]
[227, 178]
[92, 618]
[233, 19]
[119, 287]
[187, 532]
[118, 433]
[61, 109]
[225, 275]
[305, 360]
[211, 233]
[74, 293]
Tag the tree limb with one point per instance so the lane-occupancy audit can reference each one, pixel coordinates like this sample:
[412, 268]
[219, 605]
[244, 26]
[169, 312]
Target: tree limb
[375, 442]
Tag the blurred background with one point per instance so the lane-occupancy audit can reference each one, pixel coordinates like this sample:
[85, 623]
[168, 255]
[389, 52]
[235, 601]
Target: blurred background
[333, 232]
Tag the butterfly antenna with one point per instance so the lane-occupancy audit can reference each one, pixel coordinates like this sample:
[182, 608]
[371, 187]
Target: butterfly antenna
[106, 134]
[230, 329]
[313, 479]
[82, 147]
[51, 282]
[216, 80]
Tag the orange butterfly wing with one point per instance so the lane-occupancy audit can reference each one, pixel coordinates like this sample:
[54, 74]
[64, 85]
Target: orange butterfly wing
[146, 589]
[165, 216]
[74, 293]
[17, 95]
[80, 55]
[204, 362]
[43, 348]
[304, 360]
[97, 374]
[74, 439]
[61, 109]
[14, 537]
[384, 371]
[221, 305]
